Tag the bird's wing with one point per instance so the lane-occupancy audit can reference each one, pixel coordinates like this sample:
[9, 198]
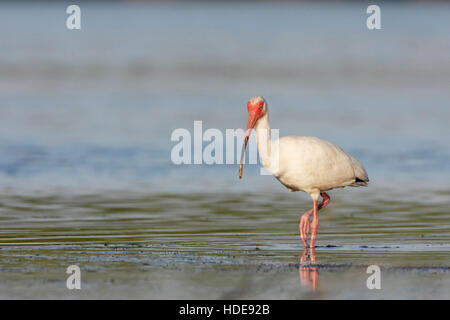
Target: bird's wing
[313, 163]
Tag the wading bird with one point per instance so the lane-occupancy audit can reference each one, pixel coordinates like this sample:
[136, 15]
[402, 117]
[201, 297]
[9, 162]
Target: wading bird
[301, 163]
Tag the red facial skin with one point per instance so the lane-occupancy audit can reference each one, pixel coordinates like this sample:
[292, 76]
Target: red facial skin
[255, 111]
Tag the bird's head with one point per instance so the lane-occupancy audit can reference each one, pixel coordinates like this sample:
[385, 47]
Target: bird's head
[257, 107]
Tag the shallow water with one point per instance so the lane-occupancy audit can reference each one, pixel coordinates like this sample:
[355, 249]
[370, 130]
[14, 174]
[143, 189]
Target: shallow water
[125, 241]
[86, 176]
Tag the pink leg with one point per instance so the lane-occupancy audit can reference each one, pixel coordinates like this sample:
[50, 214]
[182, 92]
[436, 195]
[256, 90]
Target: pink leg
[304, 226]
[314, 224]
[304, 220]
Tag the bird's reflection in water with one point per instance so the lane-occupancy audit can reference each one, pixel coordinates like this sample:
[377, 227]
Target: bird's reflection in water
[308, 269]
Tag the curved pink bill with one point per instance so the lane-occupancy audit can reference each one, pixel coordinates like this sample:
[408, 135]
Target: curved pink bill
[252, 117]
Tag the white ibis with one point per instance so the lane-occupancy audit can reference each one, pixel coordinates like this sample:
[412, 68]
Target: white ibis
[302, 163]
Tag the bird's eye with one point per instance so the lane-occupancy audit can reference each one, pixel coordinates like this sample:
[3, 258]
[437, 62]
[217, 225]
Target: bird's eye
[260, 107]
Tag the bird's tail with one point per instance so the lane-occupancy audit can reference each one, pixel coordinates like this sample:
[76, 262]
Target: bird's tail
[360, 182]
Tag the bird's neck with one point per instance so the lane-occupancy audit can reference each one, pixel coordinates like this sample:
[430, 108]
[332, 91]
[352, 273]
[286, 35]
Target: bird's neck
[262, 129]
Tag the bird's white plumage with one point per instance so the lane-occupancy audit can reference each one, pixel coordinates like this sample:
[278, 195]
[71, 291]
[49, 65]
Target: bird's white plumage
[307, 164]
[312, 164]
